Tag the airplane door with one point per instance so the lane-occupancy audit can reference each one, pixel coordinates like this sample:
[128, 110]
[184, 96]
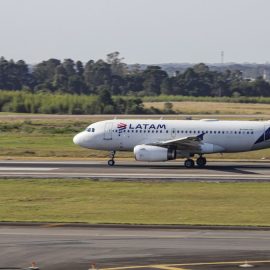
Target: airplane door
[108, 131]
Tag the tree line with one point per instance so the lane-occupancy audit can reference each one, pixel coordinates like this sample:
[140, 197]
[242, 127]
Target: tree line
[115, 77]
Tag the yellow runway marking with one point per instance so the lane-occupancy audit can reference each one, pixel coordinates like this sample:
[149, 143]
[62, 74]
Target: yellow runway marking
[177, 266]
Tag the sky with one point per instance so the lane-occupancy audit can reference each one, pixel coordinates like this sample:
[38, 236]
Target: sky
[143, 31]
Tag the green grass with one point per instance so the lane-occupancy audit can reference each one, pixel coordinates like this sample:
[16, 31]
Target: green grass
[135, 202]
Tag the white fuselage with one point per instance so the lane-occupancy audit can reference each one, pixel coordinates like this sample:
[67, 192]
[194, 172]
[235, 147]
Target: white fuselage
[124, 134]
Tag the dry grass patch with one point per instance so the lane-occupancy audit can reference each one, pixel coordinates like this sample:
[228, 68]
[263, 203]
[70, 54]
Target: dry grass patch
[189, 107]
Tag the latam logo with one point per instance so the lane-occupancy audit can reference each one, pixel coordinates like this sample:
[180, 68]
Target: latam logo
[122, 126]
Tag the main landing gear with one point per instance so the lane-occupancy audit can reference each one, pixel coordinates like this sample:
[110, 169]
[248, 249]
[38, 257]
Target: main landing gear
[201, 162]
[111, 161]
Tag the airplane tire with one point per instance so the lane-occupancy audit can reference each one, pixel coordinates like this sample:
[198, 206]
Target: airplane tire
[201, 162]
[189, 163]
[111, 162]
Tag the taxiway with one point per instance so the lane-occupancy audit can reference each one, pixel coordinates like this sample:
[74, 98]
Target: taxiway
[57, 248]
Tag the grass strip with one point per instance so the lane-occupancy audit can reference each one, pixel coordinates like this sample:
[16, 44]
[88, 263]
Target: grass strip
[96, 202]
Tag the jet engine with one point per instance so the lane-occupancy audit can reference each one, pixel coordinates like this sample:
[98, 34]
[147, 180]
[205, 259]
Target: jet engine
[207, 148]
[153, 153]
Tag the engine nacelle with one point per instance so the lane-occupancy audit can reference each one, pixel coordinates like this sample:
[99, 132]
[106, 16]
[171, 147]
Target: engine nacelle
[153, 153]
[207, 148]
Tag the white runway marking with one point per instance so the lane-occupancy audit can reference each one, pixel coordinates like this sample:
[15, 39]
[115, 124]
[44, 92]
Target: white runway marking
[135, 175]
[26, 169]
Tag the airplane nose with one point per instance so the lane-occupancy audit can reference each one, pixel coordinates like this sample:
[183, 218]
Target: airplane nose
[79, 138]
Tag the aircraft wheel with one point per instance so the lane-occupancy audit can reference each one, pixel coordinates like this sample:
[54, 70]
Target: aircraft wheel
[111, 162]
[189, 163]
[201, 162]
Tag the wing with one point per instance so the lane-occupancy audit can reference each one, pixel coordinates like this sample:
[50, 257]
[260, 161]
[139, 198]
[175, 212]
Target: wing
[186, 143]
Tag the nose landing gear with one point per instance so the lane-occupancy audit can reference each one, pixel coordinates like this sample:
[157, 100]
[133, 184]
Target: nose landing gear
[111, 161]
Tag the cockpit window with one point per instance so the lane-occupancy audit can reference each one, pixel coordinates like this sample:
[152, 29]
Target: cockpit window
[90, 129]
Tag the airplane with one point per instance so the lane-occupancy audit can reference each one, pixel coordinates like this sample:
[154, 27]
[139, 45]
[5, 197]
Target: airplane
[163, 140]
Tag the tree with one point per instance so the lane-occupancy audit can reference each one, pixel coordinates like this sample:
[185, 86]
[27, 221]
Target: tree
[79, 68]
[104, 99]
[44, 73]
[69, 67]
[153, 77]
[117, 66]
[60, 80]
[97, 74]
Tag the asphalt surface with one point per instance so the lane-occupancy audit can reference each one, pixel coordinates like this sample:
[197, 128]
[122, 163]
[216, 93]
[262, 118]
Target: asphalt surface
[126, 170]
[57, 248]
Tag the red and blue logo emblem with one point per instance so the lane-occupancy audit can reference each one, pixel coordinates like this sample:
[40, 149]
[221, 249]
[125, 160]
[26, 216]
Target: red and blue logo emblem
[121, 126]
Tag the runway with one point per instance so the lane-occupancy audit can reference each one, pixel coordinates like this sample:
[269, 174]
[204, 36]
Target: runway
[57, 248]
[127, 170]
